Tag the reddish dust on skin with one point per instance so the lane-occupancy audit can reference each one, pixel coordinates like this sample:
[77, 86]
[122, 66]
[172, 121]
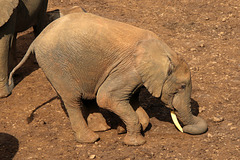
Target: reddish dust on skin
[205, 33]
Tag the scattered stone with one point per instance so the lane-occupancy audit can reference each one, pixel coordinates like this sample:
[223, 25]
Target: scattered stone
[224, 20]
[79, 145]
[201, 109]
[193, 49]
[218, 119]
[92, 156]
[201, 45]
[221, 33]
[209, 135]
[232, 128]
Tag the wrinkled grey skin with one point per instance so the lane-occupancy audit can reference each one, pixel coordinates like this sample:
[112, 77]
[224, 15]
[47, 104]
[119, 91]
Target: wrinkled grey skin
[17, 16]
[95, 119]
[85, 56]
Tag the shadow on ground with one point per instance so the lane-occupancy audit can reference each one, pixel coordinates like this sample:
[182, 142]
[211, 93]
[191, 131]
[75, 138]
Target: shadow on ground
[8, 146]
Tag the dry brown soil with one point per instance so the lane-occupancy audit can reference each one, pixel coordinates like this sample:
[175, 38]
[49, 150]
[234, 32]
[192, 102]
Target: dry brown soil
[205, 32]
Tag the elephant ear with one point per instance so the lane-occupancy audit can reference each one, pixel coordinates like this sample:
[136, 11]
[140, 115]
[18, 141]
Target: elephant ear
[7, 7]
[153, 63]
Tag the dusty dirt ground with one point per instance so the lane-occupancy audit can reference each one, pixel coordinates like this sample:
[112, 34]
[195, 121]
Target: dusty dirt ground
[205, 33]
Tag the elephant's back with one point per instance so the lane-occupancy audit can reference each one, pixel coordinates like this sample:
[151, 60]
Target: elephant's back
[86, 48]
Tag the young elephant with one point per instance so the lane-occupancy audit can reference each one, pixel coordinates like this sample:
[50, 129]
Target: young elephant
[95, 119]
[85, 56]
[17, 16]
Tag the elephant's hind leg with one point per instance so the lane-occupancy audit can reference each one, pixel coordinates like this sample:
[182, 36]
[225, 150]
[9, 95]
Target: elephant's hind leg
[82, 132]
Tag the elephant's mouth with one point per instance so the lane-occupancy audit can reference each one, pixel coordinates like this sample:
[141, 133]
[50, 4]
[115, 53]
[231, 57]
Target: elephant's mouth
[175, 121]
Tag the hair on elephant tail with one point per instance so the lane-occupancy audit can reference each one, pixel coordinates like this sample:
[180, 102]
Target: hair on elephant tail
[24, 59]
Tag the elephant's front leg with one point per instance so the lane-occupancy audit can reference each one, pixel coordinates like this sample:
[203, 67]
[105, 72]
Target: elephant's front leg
[12, 58]
[6, 40]
[114, 96]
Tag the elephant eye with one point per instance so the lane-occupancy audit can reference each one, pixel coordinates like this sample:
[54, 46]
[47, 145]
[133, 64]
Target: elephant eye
[183, 86]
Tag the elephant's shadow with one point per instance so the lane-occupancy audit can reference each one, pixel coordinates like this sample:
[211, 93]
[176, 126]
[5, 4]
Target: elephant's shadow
[23, 43]
[9, 146]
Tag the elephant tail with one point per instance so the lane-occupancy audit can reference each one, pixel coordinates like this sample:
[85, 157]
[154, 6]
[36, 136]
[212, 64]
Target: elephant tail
[24, 59]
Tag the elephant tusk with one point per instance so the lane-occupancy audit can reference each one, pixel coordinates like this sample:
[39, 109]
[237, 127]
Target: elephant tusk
[175, 121]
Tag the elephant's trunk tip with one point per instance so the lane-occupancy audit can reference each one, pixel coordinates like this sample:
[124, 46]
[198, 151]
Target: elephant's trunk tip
[199, 126]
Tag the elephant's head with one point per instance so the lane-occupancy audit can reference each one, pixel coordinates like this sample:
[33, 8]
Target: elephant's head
[167, 76]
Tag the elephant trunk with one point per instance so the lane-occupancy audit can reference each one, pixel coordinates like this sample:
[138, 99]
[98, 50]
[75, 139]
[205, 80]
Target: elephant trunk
[192, 124]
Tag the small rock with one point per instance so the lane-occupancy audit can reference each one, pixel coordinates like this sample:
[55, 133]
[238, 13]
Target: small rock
[209, 135]
[201, 109]
[92, 156]
[221, 33]
[79, 145]
[218, 119]
[232, 128]
[202, 45]
[224, 20]
[193, 49]
[43, 122]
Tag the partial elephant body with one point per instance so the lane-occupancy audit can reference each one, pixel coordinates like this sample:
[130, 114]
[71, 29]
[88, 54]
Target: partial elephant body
[88, 42]
[85, 56]
[17, 16]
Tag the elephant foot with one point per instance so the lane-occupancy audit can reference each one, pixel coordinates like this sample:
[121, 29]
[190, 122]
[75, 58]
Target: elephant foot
[134, 140]
[97, 122]
[6, 90]
[87, 137]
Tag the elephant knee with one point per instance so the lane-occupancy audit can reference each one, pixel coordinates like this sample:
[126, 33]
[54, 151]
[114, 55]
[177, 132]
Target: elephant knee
[104, 99]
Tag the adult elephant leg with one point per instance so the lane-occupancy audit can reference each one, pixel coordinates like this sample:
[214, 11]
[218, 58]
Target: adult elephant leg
[12, 55]
[42, 19]
[95, 119]
[6, 39]
[82, 133]
[114, 96]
